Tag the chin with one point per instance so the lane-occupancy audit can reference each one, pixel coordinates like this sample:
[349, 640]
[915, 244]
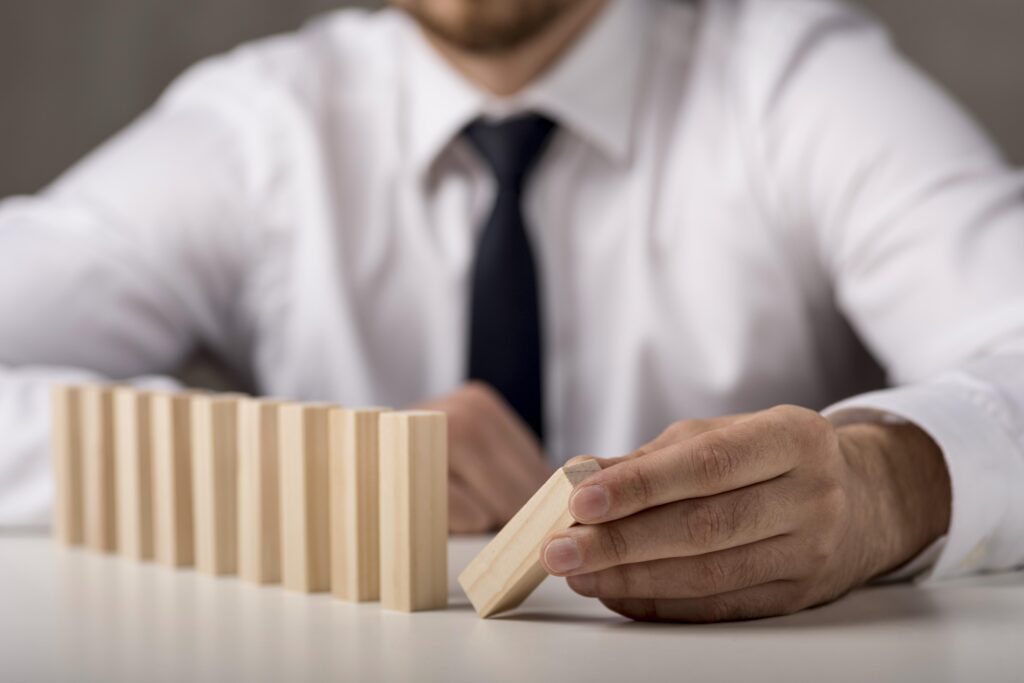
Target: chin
[485, 25]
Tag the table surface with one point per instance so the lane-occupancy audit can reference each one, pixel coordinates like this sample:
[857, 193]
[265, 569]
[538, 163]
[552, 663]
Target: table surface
[68, 614]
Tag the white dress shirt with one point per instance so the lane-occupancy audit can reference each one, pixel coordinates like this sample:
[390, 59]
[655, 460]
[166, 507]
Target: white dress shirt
[747, 201]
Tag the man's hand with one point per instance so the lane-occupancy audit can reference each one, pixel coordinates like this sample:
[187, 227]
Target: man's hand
[495, 462]
[751, 516]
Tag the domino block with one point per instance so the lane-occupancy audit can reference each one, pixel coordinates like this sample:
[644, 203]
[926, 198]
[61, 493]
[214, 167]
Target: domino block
[509, 569]
[354, 504]
[414, 511]
[133, 456]
[259, 519]
[215, 482]
[98, 470]
[172, 479]
[66, 430]
[305, 533]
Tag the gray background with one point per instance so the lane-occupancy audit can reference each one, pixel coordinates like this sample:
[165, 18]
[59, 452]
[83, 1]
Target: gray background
[72, 72]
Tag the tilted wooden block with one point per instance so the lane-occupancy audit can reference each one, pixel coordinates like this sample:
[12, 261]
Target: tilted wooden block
[355, 507]
[99, 474]
[414, 510]
[259, 518]
[134, 461]
[66, 420]
[172, 479]
[305, 509]
[509, 569]
[215, 482]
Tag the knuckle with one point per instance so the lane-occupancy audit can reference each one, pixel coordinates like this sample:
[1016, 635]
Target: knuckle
[639, 487]
[703, 524]
[715, 461]
[712, 573]
[613, 544]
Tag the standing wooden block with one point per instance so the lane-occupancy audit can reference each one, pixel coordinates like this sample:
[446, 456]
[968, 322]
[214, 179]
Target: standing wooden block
[305, 533]
[172, 479]
[414, 510]
[509, 569]
[355, 507]
[98, 469]
[215, 482]
[259, 518]
[66, 430]
[133, 455]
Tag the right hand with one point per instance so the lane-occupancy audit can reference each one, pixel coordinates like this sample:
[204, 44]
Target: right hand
[495, 462]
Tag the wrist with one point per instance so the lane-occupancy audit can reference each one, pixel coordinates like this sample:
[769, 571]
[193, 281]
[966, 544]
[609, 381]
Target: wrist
[904, 497]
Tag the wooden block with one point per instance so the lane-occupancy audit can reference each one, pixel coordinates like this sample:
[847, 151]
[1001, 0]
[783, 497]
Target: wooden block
[305, 533]
[414, 511]
[134, 461]
[215, 482]
[66, 430]
[509, 569]
[259, 518]
[172, 479]
[355, 507]
[99, 476]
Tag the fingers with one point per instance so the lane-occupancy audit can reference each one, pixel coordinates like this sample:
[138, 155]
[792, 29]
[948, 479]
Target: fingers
[746, 452]
[684, 529]
[465, 514]
[774, 559]
[770, 599]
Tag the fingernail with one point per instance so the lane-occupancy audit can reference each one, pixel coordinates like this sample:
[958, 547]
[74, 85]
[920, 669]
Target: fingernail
[590, 502]
[562, 555]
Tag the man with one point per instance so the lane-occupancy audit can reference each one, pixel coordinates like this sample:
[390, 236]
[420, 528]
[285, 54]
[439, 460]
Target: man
[618, 219]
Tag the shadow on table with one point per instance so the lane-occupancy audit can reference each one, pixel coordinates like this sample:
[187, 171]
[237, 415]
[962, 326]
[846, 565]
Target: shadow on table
[883, 604]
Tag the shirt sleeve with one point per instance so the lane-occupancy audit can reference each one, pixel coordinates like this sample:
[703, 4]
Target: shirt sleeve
[918, 223]
[120, 268]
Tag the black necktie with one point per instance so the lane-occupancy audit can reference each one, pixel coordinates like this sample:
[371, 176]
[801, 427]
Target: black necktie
[505, 329]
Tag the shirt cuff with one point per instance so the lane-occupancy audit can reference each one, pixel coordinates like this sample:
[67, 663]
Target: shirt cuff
[978, 450]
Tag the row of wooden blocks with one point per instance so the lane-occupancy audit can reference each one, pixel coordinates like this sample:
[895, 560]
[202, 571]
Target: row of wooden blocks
[315, 497]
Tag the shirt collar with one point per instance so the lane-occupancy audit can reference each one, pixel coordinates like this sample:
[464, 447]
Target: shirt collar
[592, 90]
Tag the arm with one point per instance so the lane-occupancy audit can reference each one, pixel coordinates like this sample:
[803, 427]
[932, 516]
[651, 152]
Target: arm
[119, 269]
[919, 225]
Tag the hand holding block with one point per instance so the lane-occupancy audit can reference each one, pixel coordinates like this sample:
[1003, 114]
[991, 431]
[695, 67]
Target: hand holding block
[305, 534]
[172, 479]
[66, 418]
[509, 569]
[259, 517]
[355, 530]
[414, 511]
[133, 455]
[215, 482]
[99, 475]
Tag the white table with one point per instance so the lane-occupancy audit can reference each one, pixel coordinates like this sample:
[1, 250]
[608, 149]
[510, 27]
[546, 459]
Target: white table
[77, 616]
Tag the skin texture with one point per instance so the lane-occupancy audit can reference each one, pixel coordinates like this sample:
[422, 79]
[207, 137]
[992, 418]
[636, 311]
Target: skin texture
[495, 461]
[484, 26]
[498, 45]
[751, 516]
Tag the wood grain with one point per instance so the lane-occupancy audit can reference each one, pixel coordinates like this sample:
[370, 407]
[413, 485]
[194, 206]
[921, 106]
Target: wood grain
[172, 479]
[509, 569]
[134, 461]
[215, 482]
[414, 510]
[259, 517]
[355, 506]
[305, 508]
[66, 431]
[98, 468]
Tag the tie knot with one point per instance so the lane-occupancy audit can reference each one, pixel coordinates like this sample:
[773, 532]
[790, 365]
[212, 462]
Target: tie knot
[511, 147]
